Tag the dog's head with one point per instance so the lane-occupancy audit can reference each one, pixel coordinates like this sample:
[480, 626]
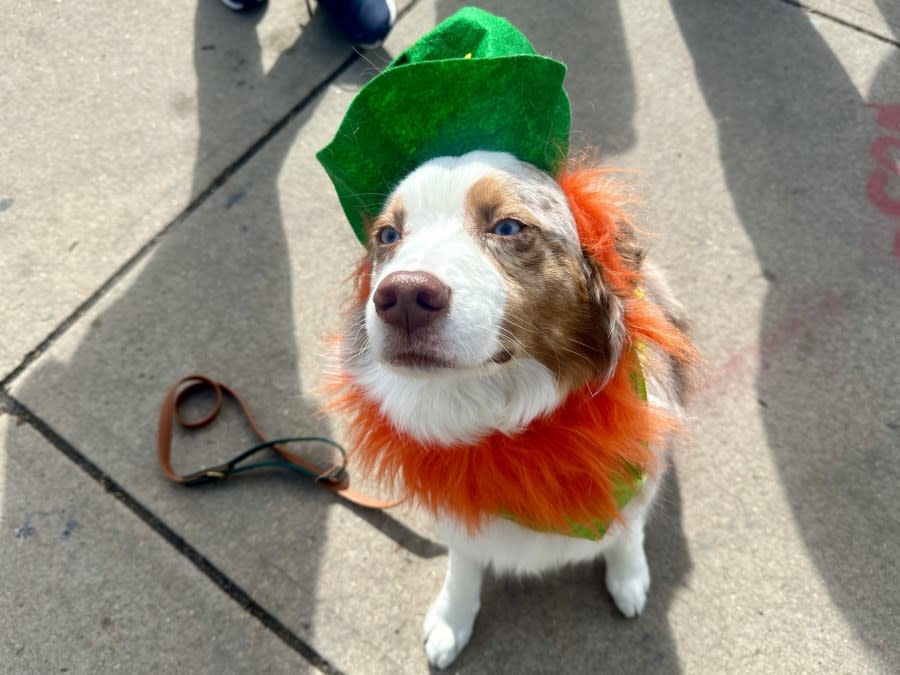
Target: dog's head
[490, 291]
[476, 263]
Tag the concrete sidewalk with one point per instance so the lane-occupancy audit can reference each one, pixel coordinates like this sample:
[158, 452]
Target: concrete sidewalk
[161, 212]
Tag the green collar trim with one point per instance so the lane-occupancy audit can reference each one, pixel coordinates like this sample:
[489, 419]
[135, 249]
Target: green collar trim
[624, 490]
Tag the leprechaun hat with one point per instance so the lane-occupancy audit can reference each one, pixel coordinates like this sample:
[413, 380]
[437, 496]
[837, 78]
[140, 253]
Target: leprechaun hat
[472, 83]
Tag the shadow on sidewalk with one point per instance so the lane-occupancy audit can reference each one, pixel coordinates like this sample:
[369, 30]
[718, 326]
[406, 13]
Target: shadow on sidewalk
[794, 137]
[215, 297]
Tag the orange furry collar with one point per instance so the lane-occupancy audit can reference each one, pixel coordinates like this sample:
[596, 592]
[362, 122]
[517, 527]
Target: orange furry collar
[568, 472]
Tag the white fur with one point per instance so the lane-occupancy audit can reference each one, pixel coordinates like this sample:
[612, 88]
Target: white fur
[461, 406]
[477, 397]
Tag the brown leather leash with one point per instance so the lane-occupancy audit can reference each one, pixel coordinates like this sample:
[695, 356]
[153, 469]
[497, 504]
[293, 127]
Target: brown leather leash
[335, 478]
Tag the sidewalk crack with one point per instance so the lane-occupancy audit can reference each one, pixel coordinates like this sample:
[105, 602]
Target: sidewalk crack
[843, 22]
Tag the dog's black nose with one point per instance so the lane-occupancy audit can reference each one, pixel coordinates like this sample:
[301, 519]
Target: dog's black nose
[411, 300]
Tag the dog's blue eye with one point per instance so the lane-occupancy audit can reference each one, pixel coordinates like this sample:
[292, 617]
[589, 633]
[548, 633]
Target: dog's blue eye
[507, 227]
[388, 235]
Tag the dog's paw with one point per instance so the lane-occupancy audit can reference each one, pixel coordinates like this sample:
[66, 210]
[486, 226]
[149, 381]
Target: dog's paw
[628, 588]
[444, 638]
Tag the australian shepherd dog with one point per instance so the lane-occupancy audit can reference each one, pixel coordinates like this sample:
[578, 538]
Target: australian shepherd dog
[512, 364]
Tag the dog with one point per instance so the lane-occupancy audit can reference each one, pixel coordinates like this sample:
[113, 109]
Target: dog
[509, 350]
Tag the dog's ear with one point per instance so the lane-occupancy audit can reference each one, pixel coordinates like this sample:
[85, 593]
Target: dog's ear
[644, 308]
[609, 300]
[608, 313]
[599, 204]
[612, 254]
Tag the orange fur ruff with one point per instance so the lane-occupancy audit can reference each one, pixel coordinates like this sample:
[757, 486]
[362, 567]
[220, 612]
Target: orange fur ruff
[562, 468]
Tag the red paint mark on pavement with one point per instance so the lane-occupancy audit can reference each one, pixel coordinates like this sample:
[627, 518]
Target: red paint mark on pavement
[887, 167]
[785, 333]
[877, 190]
[888, 115]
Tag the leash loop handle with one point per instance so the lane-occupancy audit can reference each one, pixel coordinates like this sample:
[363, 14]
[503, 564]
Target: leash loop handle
[189, 385]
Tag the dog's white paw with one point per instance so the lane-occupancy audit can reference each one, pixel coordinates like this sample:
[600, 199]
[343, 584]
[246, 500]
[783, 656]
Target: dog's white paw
[444, 637]
[628, 586]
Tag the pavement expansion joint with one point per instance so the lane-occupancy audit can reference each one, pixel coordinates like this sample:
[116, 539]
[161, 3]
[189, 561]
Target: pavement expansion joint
[843, 22]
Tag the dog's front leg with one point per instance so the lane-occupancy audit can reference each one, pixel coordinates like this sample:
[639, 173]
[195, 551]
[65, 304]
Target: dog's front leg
[627, 573]
[448, 624]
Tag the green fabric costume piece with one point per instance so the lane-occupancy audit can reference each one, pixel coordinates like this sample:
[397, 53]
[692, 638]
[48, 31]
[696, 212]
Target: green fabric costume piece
[624, 489]
[473, 83]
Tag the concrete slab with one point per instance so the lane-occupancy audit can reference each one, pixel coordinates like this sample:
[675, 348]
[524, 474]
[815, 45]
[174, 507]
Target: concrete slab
[89, 588]
[115, 118]
[776, 536]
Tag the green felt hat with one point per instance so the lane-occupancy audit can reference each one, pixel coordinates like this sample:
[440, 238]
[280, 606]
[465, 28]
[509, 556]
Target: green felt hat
[473, 83]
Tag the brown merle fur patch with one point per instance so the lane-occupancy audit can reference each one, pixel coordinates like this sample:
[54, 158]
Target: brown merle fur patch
[558, 310]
